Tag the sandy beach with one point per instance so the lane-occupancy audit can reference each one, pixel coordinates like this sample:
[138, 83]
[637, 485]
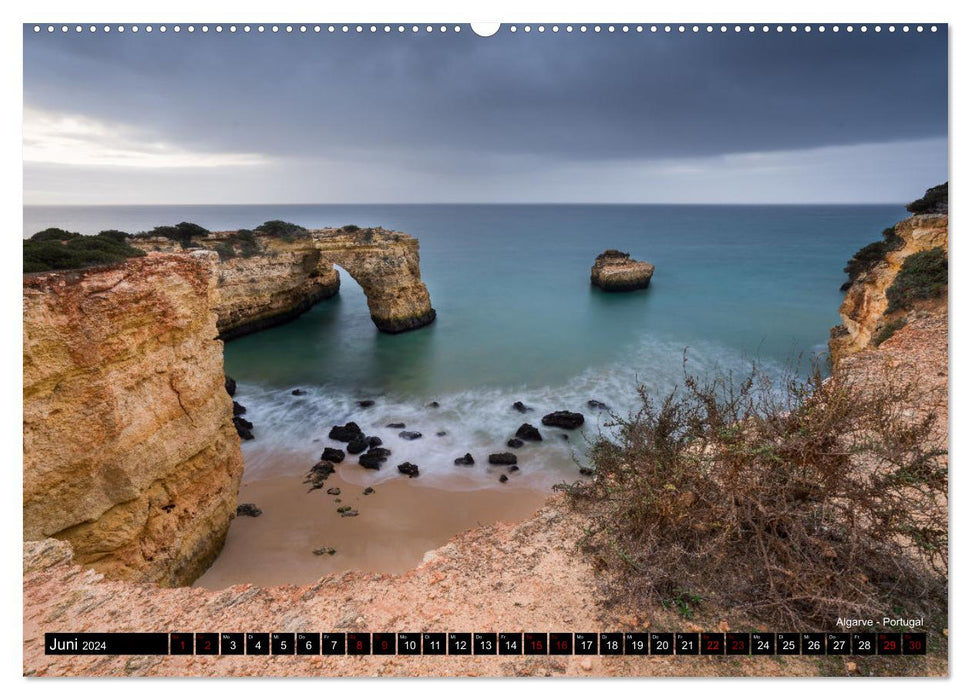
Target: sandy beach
[395, 526]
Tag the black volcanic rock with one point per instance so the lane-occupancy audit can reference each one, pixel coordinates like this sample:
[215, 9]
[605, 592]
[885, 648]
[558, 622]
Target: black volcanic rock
[514, 443]
[230, 386]
[374, 441]
[298, 392]
[503, 478]
[346, 433]
[528, 432]
[521, 407]
[357, 446]
[370, 461]
[238, 408]
[433, 404]
[366, 403]
[409, 469]
[597, 405]
[409, 435]
[243, 427]
[465, 461]
[563, 419]
[332, 454]
[396, 426]
[250, 510]
[502, 458]
[368, 491]
[586, 471]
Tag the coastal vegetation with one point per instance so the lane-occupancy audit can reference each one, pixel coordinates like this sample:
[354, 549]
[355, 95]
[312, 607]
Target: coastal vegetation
[934, 201]
[871, 255]
[922, 276]
[57, 249]
[793, 505]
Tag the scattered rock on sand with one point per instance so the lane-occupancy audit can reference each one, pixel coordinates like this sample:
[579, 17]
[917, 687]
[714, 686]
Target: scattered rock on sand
[513, 469]
[325, 550]
[514, 443]
[318, 474]
[373, 458]
[332, 454]
[409, 435]
[409, 469]
[465, 461]
[368, 491]
[250, 510]
[528, 432]
[334, 491]
[346, 433]
[563, 419]
[503, 479]
[349, 513]
[357, 446]
[502, 458]
[243, 427]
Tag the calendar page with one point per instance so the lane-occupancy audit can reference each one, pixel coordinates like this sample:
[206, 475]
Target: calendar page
[586, 349]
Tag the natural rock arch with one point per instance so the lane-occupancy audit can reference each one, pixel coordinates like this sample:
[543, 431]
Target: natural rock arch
[385, 264]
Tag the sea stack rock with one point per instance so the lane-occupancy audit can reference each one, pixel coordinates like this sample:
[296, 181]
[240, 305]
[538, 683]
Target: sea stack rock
[614, 271]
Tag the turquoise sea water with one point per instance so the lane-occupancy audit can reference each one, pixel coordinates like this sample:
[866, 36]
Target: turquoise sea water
[518, 319]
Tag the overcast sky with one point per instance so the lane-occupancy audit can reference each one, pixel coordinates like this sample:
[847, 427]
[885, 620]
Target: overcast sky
[318, 118]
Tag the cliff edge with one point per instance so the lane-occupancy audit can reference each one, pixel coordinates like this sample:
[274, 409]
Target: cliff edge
[895, 280]
[130, 453]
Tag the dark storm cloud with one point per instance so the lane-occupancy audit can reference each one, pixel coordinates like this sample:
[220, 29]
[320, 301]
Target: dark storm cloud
[556, 97]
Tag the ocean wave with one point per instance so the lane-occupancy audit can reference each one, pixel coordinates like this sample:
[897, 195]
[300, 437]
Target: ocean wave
[291, 430]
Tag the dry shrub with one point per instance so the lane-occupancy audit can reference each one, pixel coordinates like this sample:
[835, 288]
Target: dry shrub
[791, 505]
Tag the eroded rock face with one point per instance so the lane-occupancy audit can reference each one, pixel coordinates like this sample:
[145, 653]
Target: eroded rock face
[286, 276]
[130, 453]
[614, 271]
[862, 310]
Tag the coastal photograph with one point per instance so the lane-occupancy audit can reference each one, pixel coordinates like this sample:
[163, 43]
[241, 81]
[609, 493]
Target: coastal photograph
[401, 350]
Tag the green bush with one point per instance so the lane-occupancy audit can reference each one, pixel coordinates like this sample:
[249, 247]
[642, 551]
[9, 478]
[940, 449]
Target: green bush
[934, 201]
[871, 255]
[119, 236]
[54, 234]
[280, 228]
[225, 250]
[350, 228]
[82, 251]
[922, 276]
[244, 234]
[887, 331]
[182, 232]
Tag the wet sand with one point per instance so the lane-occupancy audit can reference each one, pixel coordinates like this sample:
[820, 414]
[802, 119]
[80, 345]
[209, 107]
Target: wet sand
[395, 527]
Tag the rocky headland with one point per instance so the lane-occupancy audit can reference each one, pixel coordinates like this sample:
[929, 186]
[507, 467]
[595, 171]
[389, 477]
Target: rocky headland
[130, 453]
[266, 278]
[897, 279]
[614, 271]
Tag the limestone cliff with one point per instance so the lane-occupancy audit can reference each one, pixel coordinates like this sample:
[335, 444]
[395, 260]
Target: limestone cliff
[864, 309]
[265, 279]
[130, 453]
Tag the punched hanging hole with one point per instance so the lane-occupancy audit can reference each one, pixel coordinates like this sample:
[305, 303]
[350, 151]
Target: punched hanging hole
[485, 28]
